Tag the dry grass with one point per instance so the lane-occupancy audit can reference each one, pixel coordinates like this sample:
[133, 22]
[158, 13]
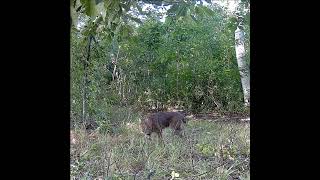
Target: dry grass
[208, 150]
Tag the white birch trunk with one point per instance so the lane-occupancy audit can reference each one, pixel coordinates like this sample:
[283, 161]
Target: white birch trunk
[242, 65]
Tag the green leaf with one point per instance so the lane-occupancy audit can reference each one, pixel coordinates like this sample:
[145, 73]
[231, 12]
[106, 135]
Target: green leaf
[182, 11]
[199, 11]
[118, 28]
[116, 20]
[107, 4]
[174, 8]
[137, 20]
[208, 11]
[117, 7]
[179, 10]
[124, 31]
[90, 7]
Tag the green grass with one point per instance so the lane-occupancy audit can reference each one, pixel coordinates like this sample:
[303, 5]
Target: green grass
[208, 150]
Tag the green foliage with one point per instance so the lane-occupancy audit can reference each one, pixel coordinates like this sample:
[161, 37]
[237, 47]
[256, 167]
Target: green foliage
[180, 62]
[189, 64]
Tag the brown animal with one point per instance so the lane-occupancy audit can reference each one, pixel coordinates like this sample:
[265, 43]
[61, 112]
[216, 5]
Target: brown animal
[156, 122]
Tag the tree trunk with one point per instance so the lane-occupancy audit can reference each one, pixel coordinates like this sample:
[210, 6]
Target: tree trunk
[242, 65]
[85, 81]
[84, 100]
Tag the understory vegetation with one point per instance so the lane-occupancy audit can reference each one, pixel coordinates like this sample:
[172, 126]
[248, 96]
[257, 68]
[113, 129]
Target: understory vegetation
[208, 150]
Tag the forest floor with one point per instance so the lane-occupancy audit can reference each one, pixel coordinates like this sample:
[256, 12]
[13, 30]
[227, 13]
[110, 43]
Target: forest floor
[211, 148]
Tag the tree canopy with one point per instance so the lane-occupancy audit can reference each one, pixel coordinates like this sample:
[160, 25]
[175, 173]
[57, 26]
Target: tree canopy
[122, 54]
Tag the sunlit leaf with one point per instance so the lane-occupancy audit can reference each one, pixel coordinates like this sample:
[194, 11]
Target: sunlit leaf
[90, 7]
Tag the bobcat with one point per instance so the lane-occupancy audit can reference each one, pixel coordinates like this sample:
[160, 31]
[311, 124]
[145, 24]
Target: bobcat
[156, 122]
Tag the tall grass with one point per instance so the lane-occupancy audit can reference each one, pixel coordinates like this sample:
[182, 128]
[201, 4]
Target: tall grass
[208, 150]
